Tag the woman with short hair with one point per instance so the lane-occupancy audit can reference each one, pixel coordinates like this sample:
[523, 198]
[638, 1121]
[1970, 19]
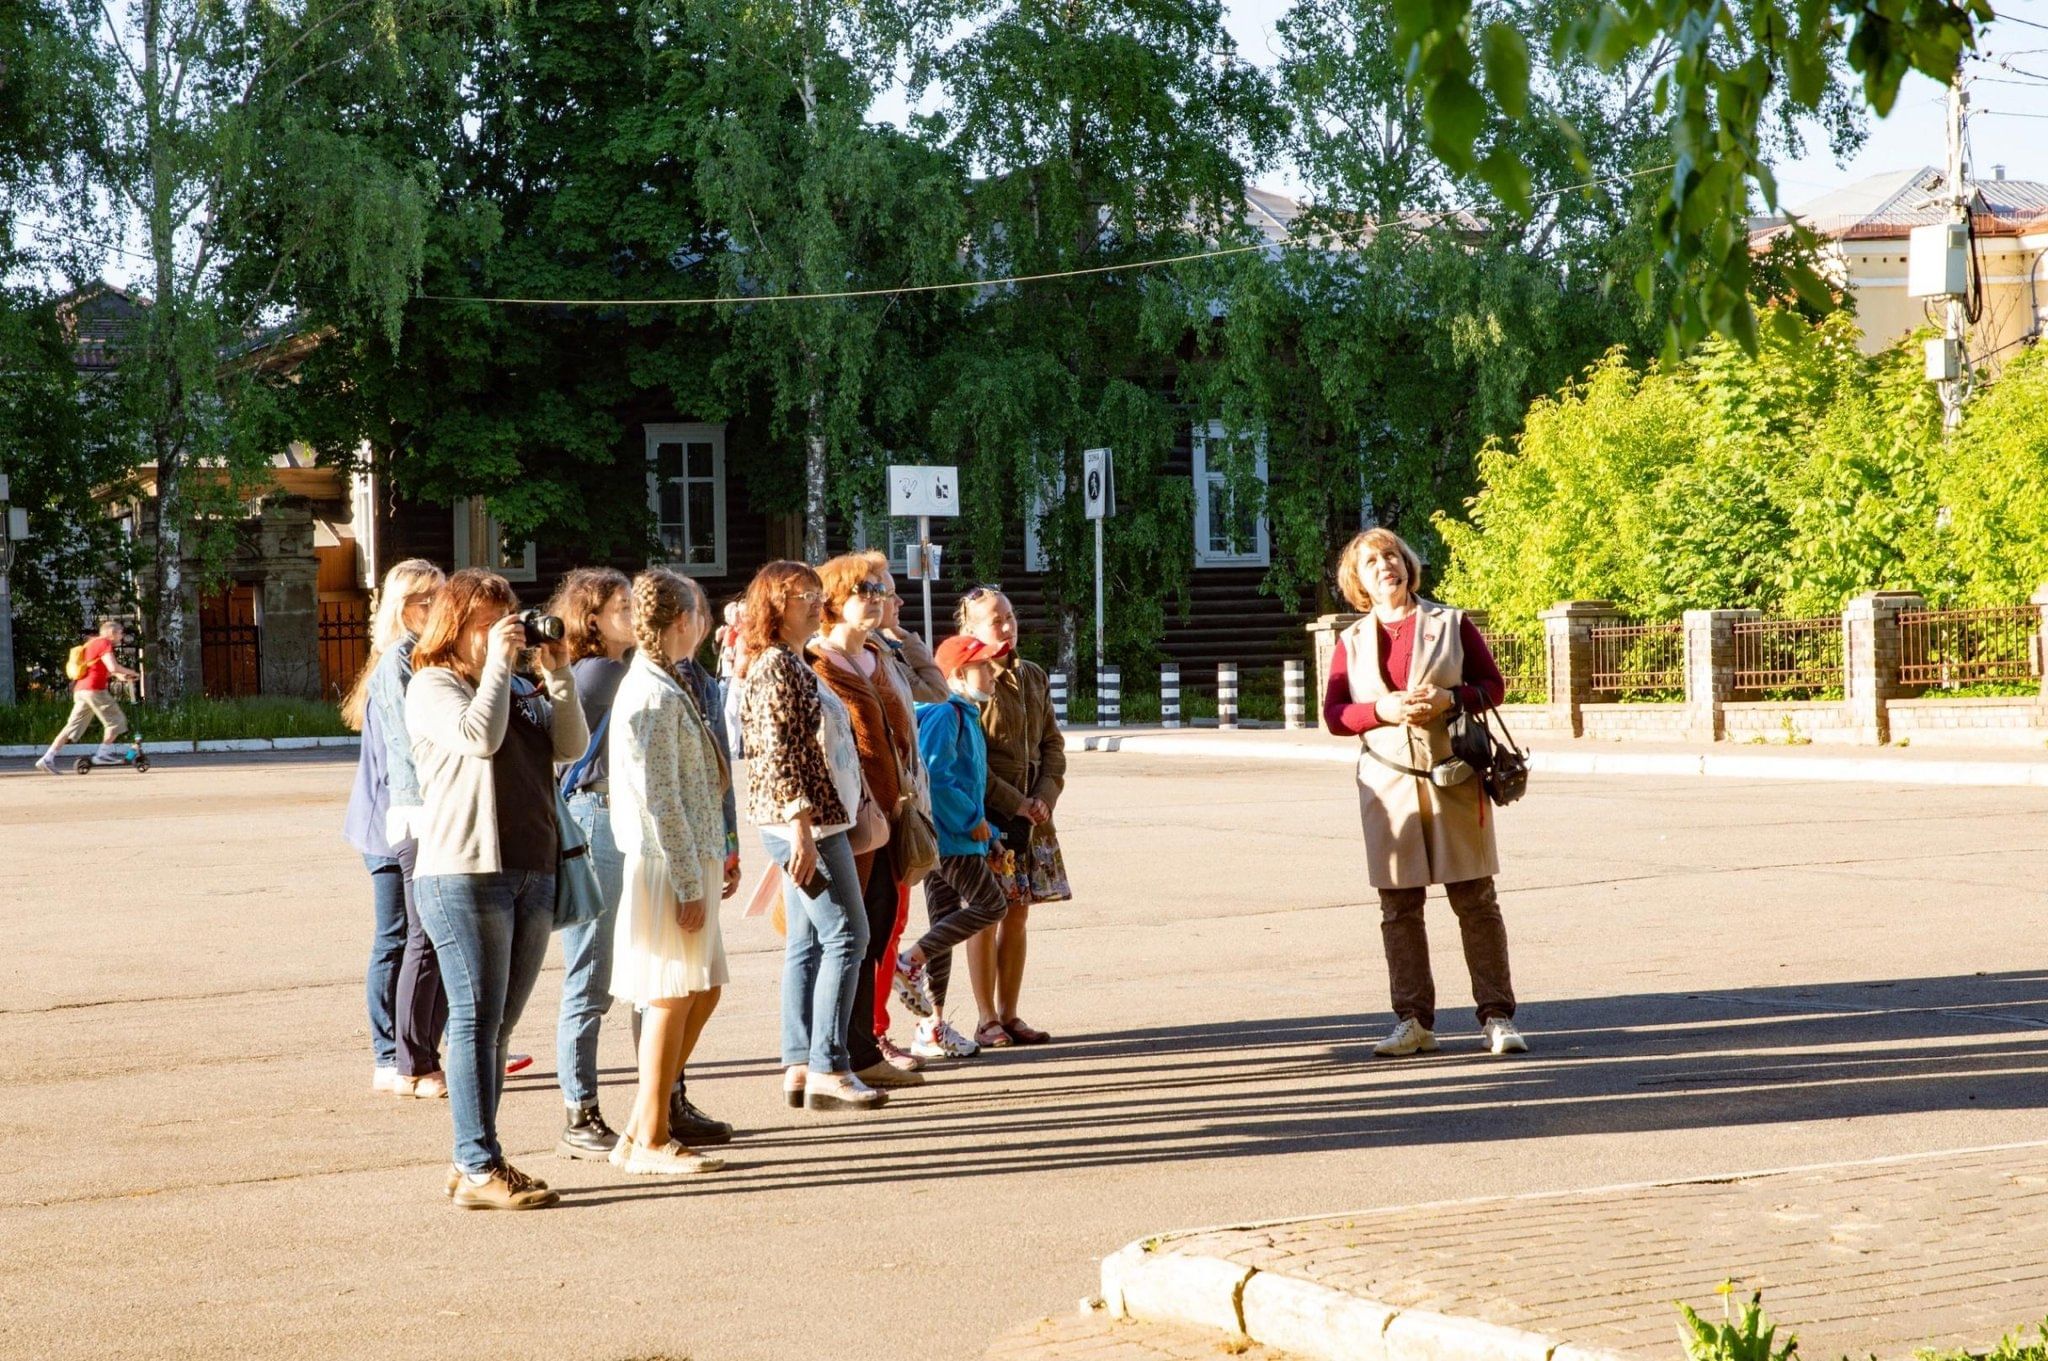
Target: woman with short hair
[803, 791]
[851, 662]
[1396, 678]
[408, 1007]
[485, 745]
[1027, 770]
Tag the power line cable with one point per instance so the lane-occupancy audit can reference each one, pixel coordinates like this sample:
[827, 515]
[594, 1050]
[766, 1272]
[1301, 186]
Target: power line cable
[849, 294]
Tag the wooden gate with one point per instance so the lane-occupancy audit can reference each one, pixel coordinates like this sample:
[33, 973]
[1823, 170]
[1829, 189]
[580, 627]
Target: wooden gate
[230, 643]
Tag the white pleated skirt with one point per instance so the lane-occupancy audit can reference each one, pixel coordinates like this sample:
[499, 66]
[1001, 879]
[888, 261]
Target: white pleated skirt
[653, 958]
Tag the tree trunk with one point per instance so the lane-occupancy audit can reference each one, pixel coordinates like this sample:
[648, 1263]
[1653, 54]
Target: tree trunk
[165, 395]
[814, 465]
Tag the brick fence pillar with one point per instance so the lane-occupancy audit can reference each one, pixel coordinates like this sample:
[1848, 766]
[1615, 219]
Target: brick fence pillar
[1568, 654]
[1870, 660]
[1710, 670]
[1323, 634]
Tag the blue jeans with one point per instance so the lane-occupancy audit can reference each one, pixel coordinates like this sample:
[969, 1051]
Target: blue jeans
[387, 950]
[490, 934]
[821, 966]
[587, 958]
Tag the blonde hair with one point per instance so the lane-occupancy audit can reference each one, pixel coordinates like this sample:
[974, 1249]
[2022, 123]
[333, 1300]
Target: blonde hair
[404, 581]
[1352, 585]
[964, 608]
[660, 597]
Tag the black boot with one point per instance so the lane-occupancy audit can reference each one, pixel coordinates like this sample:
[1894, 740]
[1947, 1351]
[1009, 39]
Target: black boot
[691, 1127]
[586, 1136]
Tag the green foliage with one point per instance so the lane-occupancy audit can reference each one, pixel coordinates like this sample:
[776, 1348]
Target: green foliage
[1787, 481]
[1993, 481]
[1722, 75]
[36, 720]
[1747, 1337]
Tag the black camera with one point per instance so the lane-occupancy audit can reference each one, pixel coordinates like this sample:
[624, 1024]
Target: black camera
[541, 629]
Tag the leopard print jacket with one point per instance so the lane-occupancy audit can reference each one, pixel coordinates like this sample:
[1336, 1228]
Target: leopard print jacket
[782, 717]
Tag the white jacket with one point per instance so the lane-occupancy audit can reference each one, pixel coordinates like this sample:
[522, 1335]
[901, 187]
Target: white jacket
[456, 729]
[665, 778]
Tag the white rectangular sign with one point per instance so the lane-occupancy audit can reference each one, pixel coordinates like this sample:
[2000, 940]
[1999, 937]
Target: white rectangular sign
[917, 566]
[924, 491]
[1098, 483]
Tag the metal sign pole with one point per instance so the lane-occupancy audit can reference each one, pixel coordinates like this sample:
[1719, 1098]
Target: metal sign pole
[1098, 594]
[924, 565]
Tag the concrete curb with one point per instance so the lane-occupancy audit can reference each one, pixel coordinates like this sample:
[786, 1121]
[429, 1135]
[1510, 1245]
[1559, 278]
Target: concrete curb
[1722, 765]
[226, 744]
[1146, 1280]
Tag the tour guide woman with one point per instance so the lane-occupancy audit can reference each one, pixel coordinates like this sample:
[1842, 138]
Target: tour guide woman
[1396, 678]
[485, 745]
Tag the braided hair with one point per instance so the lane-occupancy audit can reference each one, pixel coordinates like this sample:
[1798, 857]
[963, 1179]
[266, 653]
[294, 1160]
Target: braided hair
[660, 597]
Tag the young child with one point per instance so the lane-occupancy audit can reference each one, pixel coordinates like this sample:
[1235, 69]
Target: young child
[963, 895]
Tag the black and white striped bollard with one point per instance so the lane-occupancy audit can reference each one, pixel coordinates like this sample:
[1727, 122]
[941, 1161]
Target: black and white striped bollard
[1226, 696]
[1169, 695]
[1294, 693]
[1057, 684]
[1109, 698]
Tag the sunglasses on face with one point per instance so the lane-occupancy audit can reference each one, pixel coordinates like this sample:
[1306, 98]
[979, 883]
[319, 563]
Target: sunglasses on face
[872, 590]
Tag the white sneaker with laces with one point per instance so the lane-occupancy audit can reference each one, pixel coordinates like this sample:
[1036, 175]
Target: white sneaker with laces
[385, 1080]
[1502, 1037]
[47, 763]
[938, 1040]
[898, 1055]
[913, 987]
[1409, 1036]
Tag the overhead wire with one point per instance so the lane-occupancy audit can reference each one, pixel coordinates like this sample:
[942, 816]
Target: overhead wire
[954, 285]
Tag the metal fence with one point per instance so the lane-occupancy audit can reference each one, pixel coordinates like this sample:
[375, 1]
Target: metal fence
[344, 644]
[229, 659]
[1788, 654]
[1522, 665]
[1639, 659]
[1950, 648]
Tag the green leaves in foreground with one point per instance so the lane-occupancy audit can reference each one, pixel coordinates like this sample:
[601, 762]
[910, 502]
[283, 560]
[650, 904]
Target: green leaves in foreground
[1720, 67]
[1745, 1338]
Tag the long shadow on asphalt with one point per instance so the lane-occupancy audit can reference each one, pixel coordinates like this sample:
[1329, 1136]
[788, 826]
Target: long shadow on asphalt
[1222, 1090]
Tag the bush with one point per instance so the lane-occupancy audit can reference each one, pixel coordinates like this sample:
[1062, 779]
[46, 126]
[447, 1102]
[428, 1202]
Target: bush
[36, 721]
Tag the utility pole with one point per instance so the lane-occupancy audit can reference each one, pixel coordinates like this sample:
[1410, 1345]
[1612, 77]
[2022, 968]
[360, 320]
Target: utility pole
[1955, 326]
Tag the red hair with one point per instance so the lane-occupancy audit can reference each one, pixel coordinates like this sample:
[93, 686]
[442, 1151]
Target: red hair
[467, 594]
[767, 600]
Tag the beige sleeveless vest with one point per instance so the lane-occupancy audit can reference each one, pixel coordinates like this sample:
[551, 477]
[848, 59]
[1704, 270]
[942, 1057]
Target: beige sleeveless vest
[1415, 833]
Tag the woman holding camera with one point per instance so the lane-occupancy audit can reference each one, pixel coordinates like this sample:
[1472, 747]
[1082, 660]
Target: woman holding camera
[1396, 677]
[670, 778]
[803, 790]
[407, 1006]
[485, 744]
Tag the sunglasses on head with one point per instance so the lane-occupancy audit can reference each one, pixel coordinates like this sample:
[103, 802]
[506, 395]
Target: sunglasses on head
[980, 591]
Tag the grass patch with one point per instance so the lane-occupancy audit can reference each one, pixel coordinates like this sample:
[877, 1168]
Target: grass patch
[36, 721]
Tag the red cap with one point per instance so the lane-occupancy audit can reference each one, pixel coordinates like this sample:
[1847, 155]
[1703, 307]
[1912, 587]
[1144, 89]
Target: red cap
[959, 651]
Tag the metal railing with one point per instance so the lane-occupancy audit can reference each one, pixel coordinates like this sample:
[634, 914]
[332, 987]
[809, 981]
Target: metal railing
[1522, 665]
[1788, 654]
[344, 645]
[1951, 648]
[1638, 659]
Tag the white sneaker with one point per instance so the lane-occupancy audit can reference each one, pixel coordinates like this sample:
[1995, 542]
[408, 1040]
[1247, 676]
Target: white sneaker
[913, 987]
[621, 1151]
[940, 1041]
[897, 1055]
[1409, 1036]
[673, 1160]
[47, 764]
[1502, 1037]
[887, 1074]
[385, 1080]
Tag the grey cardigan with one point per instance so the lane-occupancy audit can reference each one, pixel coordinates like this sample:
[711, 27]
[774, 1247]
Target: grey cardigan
[456, 730]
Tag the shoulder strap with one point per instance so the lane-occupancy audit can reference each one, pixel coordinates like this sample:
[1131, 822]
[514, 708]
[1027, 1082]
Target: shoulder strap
[1392, 764]
[573, 776]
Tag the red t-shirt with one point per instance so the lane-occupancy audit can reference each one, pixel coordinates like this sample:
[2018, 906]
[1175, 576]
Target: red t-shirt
[95, 677]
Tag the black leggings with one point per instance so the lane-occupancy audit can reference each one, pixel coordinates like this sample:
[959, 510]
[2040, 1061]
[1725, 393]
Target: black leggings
[963, 898]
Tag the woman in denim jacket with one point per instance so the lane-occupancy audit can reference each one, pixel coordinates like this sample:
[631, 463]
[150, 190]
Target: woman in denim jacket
[408, 1008]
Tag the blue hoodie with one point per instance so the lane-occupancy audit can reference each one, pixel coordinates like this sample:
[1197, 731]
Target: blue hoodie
[956, 754]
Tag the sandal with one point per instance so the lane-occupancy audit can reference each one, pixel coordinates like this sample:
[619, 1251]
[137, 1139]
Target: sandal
[993, 1036]
[1024, 1034]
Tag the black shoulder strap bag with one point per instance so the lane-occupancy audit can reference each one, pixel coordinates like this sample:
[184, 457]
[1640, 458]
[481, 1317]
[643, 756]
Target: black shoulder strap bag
[1503, 767]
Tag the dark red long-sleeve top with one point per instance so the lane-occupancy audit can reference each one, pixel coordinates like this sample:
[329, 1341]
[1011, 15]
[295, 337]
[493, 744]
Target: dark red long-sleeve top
[1481, 688]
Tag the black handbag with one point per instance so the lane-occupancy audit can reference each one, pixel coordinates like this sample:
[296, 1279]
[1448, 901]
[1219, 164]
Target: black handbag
[1502, 766]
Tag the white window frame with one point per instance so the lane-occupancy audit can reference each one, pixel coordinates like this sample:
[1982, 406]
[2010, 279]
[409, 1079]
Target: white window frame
[712, 433]
[495, 560]
[899, 534]
[1261, 552]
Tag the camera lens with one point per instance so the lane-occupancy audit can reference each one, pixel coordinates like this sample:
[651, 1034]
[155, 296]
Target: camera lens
[541, 628]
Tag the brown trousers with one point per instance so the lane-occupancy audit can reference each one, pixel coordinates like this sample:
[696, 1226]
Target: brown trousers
[1407, 944]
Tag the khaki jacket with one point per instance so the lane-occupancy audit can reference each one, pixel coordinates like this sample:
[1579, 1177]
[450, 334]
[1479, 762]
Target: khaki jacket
[1415, 833]
[1027, 757]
